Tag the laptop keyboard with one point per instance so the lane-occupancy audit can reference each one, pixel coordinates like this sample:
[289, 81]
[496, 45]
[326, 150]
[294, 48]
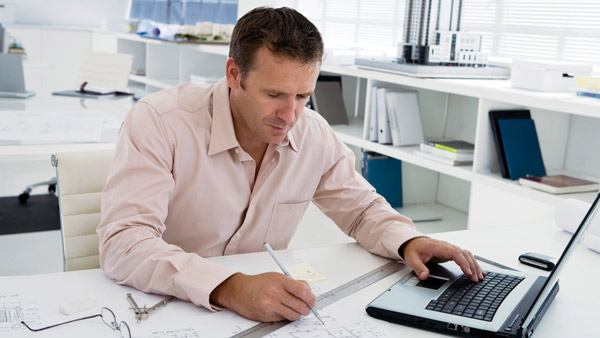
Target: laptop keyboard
[475, 300]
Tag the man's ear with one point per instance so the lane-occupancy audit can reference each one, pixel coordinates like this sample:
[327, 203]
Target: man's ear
[233, 74]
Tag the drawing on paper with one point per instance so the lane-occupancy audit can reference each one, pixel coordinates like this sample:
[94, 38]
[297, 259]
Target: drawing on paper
[175, 333]
[13, 311]
[309, 327]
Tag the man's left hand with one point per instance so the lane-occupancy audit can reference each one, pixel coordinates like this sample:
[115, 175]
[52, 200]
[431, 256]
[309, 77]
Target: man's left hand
[418, 251]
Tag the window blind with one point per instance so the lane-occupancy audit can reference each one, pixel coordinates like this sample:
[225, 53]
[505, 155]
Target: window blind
[527, 29]
[185, 12]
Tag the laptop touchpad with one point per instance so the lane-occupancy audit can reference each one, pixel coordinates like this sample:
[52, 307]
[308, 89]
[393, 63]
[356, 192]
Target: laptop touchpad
[433, 282]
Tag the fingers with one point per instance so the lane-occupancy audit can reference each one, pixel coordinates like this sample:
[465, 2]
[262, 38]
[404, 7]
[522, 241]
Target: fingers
[475, 266]
[468, 264]
[417, 264]
[297, 299]
[265, 297]
[420, 250]
[300, 289]
[286, 313]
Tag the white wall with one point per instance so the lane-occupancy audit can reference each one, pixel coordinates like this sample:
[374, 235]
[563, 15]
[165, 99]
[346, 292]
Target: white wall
[89, 13]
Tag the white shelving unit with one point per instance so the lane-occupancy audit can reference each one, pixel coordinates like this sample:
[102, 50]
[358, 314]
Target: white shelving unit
[568, 129]
[164, 64]
[475, 196]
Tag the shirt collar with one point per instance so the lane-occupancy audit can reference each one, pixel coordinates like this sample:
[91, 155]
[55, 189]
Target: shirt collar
[289, 140]
[222, 133]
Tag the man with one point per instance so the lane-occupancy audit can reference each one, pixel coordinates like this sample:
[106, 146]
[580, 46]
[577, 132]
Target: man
[219, 170]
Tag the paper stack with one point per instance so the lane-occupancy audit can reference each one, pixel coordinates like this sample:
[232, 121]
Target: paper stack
[588, 85]
[451, 152]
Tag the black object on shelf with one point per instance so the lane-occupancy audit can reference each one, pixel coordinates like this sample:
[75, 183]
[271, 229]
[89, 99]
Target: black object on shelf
[496, 115]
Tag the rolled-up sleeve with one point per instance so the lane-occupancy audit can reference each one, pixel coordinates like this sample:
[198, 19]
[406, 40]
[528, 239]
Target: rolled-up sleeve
[352, 203]
[135, 204]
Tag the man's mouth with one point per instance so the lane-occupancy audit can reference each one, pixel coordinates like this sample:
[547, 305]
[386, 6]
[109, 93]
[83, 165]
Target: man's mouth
[277, 128]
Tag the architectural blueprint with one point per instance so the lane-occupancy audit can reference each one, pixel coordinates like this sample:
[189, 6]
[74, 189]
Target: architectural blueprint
[13, 311]
[64, 126]
[335, 327]
[176, 333]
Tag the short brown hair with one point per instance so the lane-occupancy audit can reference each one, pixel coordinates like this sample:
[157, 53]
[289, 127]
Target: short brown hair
[284, 31]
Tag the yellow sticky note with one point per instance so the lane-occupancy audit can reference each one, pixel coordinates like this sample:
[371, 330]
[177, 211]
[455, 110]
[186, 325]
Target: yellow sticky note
[303, 271]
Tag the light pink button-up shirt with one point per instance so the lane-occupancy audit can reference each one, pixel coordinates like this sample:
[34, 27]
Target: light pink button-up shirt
[181, 188]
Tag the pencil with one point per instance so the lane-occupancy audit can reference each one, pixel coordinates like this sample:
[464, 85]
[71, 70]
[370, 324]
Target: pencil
[272, 253]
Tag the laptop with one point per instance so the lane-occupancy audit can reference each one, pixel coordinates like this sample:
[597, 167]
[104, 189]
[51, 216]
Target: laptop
[507, 303]
[12, 81]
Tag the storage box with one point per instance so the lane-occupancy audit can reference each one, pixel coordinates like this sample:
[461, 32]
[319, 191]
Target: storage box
[546, 76]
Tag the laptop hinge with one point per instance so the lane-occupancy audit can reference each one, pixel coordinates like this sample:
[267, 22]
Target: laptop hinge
[514, 321]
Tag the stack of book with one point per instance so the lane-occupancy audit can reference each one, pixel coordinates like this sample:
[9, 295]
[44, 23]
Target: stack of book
[588, 85]
[451, 152]
[559, 184]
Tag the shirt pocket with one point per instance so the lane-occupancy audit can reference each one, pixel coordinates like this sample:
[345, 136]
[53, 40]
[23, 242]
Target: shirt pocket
[284, 221]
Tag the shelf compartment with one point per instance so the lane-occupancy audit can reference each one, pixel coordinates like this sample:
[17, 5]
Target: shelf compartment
[352, 134]
[496, 181]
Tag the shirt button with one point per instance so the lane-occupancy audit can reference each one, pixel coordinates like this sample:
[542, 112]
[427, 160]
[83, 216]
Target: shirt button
[272, 160]
[237, 150]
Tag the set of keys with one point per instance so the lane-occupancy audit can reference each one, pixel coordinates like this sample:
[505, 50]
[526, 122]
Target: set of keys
[142, 313]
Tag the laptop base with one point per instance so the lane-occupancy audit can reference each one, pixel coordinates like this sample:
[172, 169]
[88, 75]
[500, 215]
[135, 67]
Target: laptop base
[459, 330]
[14, 95]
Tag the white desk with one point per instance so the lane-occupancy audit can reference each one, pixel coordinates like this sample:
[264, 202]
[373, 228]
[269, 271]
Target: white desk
[572, 313]
[45, 101]
[26, 162]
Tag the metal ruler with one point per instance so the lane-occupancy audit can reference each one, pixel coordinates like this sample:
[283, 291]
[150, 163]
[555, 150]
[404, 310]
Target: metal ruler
[329, 297]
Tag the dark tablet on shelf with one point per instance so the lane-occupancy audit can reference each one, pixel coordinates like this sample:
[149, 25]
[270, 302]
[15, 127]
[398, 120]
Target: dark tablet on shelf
[496, 115]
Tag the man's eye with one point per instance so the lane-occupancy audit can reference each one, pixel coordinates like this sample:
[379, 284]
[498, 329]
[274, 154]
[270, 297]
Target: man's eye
[273, 96]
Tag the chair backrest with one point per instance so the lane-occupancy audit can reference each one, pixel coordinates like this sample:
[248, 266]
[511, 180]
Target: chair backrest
[81, 177]
[109, 70]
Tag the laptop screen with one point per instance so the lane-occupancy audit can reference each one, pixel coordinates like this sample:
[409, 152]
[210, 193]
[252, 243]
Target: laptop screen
[13, 78]
[553, 277]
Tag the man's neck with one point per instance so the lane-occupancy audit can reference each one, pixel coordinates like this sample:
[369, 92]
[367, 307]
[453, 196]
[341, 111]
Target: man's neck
[257, 152]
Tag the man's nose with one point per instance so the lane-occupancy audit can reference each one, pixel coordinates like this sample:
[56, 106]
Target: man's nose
[287, 110]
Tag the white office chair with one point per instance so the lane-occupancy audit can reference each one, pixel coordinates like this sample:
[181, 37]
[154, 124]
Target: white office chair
[109, 70]
[81, 178]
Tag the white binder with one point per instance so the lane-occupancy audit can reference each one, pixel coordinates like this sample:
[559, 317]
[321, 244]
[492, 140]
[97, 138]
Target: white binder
[373, 132]
[384, 136]
[405, 118]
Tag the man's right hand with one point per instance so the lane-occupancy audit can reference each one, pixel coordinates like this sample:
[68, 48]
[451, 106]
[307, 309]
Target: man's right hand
[267, 297]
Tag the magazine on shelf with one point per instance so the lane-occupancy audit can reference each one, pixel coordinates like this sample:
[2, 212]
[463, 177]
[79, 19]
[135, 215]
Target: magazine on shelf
[464, 157]
[559, 184]
[454, 146]
[441, 159]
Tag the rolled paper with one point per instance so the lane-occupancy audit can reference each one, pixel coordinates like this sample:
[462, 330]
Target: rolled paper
[569, 214]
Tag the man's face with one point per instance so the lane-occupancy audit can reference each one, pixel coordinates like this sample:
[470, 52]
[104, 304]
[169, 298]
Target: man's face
[267, 103]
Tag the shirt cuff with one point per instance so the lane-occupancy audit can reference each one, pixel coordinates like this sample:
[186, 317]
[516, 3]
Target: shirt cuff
[396, 237]
[196, 282]
[216, 307]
